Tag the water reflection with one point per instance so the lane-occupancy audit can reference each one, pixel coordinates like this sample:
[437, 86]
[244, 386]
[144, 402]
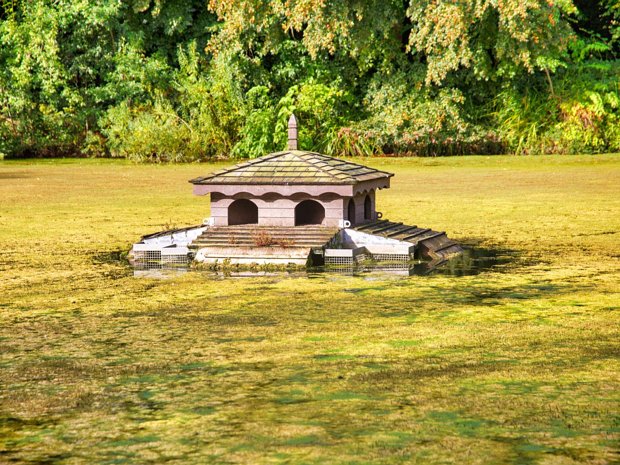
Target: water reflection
[471, 262]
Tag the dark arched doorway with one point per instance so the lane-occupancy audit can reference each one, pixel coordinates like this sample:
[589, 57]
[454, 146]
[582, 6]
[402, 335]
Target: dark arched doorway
[367, 208]
[309, 212]
[351, 211]
[242, 211]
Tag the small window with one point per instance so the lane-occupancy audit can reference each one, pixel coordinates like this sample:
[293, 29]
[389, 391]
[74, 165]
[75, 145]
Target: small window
[367, 208]
[351, 211]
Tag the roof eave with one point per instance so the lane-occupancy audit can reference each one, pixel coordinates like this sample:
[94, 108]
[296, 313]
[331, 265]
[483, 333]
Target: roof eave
[343, 183]
[206, 181]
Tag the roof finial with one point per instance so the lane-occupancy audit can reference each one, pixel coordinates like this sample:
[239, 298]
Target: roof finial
[292, 133]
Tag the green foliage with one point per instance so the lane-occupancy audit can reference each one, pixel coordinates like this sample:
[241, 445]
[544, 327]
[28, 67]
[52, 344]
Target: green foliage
[41, 112]
[613, 14]
[352, 142]
[590, 115]
[406, 116]
[153, 133]
[511, 36]
[257, 134]
[172, 80]
[319, 108]
[66, 63]
[201, 120]
[582, 118]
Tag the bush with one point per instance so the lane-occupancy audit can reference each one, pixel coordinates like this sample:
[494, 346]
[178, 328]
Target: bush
[581, 116]
[182, 81]
[257, 136]
[408, 118]
[150, 133]
[320, 110]
[199, 121]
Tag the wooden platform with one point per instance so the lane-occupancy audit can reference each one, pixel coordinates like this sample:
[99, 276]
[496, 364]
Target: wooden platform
[247, 244]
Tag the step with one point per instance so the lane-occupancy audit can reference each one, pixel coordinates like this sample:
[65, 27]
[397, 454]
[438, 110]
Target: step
[432, 236]
[416, 234]
[254, 239]
[370, 225]
[386, 228]
[253, 243]
[380, 227]
[403, 230]
[305, 245]
[272, 228]
[450, 244]
[412, 234]
[424, 238]
[272, 234]
[247, 240]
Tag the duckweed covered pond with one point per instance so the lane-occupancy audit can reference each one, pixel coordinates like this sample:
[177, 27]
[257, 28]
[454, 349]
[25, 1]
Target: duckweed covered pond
[515, 363]
[472, 261]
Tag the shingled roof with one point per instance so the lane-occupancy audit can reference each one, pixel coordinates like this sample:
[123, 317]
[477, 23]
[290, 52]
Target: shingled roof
[294, 167]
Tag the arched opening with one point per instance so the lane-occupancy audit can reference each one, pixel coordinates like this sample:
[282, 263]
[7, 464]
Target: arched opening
[367, 208]
[242, 211]
[309, 212]
[351, 211]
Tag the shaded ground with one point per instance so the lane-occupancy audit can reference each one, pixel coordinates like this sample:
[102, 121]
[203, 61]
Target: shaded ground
[516, 364]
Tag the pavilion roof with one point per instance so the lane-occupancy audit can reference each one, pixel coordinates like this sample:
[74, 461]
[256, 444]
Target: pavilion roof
[294, 167]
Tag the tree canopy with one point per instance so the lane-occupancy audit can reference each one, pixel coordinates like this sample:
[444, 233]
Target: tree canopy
[172, 80]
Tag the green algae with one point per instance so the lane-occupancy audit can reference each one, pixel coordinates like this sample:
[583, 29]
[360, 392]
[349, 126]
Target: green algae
[516, 362]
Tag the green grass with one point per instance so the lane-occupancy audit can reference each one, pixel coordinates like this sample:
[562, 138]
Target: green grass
[517, 364]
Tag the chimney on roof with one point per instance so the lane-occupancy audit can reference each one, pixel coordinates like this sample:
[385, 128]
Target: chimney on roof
[292, 133]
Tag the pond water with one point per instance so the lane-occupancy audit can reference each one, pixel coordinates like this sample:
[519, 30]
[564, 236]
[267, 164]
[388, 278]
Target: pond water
[471, 262]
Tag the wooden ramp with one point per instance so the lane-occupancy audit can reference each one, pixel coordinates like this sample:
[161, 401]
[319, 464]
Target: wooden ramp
[429, 244]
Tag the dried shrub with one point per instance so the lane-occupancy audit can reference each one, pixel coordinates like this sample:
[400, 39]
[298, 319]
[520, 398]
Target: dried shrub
[263, 239]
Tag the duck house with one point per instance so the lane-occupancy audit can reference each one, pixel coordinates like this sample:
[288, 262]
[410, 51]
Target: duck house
[295, 207]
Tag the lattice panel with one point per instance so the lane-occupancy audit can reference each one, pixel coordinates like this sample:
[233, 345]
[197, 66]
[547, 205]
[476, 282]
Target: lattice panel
[175, 259]
[147, 256]
[339, 261]
[393, 266]
[155, 259]
[389, 257]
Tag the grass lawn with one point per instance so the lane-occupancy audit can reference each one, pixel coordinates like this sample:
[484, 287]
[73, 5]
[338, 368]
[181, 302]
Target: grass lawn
[518, 364]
